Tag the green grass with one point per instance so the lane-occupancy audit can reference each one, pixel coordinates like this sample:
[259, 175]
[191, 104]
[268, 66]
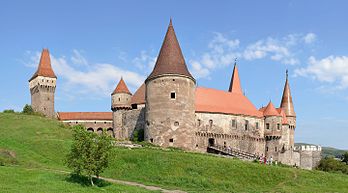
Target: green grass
[41, 143]
[16, 179]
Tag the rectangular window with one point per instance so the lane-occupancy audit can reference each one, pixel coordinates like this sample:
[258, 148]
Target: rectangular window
[275, 149]
[257, 125]
[246, 125]
[171, 140]
[233, 123]
[278, 126]
[172, 95]
[267, 125]
[266, 148]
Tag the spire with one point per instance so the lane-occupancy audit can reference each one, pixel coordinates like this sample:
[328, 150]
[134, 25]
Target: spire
[270, 110]
[121, 88]
[170, 59]
[235, 86]
[45, 68]
[286, 103]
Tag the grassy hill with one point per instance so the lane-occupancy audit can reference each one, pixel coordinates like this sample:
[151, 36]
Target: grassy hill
[328, 151]
[31, 145]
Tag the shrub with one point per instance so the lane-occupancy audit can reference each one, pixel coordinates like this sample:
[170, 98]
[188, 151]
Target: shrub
[27, 109]
[138, 135]
[8, 111]
[329, 164]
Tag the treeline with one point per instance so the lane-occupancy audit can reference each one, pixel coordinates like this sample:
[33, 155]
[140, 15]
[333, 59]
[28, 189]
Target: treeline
[330, 164]
[27, 109]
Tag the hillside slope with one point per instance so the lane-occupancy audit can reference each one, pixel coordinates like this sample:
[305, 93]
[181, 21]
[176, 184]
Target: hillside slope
[37, 142]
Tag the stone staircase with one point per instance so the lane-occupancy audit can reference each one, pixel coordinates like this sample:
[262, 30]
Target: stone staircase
[231, 152]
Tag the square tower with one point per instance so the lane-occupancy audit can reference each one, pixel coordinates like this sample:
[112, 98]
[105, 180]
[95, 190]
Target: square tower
[42, 86]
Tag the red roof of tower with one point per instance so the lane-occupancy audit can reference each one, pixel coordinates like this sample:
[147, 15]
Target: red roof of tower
[139, 95]
[235, 86]
[45, 68]
[286, 103]
[270, 110]
[121, 88]
[63, 116]
[170, 59]
[282, 113]
[218, 101]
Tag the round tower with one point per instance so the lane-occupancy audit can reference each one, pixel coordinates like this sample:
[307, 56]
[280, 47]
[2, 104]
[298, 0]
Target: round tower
[120, 102]
[272, 131]
[288, 107]
[43, 86]
[170, 96]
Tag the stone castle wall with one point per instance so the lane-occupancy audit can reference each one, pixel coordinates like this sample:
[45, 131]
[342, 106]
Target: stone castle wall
[133, 120]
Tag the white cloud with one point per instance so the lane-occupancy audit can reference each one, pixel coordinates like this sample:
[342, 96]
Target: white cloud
[332, 70]
[144, 61]
[309, 38]
[96, 80]
[222, 52]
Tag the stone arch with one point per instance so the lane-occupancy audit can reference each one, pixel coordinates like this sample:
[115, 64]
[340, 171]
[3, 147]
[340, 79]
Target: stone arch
[100, 130]
[90, 129]
[110, 131]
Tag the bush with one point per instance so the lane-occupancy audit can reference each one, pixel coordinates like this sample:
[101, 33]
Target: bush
[345, 158]
[27, 109]
[329, 164]
[138, 135]
[9, 111]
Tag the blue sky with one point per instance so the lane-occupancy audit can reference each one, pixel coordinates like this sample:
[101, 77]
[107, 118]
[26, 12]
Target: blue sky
[94, 43]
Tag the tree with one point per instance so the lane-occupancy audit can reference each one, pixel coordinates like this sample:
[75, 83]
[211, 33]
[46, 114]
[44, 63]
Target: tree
[345, 158]
[89, 153]
[27, 109]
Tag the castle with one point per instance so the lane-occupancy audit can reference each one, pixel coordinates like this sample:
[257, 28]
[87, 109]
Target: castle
[173, 112]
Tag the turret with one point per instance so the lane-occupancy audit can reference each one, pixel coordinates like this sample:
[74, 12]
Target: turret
[121, 97]
[42, 86]
[120, 102]
[273, 130]
[169, 97]
[288, 107]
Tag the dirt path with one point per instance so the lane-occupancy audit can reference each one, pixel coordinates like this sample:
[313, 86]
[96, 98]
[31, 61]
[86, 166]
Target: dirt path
[129, 183]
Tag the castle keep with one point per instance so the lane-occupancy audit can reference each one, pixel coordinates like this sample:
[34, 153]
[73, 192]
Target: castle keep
[173, 112]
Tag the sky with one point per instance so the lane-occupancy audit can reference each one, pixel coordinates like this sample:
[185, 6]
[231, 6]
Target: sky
[93, 43]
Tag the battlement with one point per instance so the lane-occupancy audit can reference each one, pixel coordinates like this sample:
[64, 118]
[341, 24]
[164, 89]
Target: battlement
[307, 148]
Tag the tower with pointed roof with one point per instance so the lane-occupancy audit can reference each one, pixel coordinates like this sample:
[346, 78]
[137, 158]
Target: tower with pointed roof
[235, 86]
[288, 107]
[42, 86]
[120, 102]
[169, 97]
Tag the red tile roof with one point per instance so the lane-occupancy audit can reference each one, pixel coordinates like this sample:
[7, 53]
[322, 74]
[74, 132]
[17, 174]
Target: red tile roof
[170, 59]
[270, 110]
[63, 116]
[286, 103]
[139, 95]
[282, 113]
[235, 86]
[44, 68]
[218, 101]
[121, 88]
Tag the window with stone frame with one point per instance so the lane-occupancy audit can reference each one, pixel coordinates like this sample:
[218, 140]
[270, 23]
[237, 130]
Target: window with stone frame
[210, 123]
[234, 124]
[246, 125]
[257, 125]
[267, 126]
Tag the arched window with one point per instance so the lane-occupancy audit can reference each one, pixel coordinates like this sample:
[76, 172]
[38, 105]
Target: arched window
[210, 123]
[100, 130]
[110, 132]
[90, 129]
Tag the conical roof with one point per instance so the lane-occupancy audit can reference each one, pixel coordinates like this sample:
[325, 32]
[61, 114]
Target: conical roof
[45, 68]
[235, 86]
[139, 95]
[121, 88]
[270, 110]
[287, 103]
[170, 59]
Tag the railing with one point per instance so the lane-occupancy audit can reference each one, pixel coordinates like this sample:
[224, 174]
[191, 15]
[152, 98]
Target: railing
[233, 152]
